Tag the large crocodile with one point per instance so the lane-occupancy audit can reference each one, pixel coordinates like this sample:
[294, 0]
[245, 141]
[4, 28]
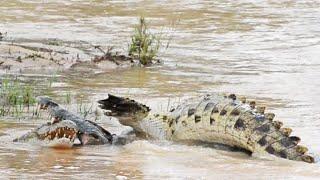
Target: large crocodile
[215, 118]
[62, 133]
[72, 126]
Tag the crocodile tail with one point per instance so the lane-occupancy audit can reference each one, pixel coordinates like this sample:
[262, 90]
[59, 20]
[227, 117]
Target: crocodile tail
[126, 110]
[266, 134]
[233, 121]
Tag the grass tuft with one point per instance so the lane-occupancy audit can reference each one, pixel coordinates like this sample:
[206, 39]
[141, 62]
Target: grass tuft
[15, 97]
[84, 109]
[144, 44]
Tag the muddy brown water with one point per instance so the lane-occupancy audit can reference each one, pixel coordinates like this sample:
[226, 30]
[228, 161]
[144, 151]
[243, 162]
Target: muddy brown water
[266, 50]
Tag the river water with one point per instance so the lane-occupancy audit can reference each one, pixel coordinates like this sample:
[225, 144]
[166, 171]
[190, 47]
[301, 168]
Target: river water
[265, 50]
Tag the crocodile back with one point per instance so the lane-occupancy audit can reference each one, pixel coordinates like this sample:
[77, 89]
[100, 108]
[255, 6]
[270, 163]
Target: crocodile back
[226, 120]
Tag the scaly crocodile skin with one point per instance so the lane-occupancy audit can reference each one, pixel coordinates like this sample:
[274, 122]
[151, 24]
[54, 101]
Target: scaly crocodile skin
[215, 118]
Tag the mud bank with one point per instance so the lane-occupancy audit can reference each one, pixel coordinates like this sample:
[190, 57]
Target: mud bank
[19, 56]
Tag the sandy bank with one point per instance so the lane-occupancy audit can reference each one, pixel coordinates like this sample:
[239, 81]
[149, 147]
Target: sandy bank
[21, 56]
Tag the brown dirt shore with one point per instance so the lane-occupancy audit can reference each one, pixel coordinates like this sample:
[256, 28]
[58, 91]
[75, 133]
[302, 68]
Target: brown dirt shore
[21, 56]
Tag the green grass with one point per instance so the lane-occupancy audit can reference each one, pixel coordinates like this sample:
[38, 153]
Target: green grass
[53, 78]
[144, 45]
[18, 99]
[67, 98]
[84, 109]
[15, 97]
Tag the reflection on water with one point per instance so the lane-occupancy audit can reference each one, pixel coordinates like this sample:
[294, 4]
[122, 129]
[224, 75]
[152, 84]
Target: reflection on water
[262, 49]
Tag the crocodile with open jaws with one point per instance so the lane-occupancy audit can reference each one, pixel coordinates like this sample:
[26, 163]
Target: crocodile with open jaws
[66, 127]
[62, 133]
[214, 118]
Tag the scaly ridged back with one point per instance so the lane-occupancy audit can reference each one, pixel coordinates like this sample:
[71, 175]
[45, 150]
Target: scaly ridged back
[226, 120]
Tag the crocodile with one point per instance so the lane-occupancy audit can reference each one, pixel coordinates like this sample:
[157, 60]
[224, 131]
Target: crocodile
[213, 118]
[60, 133]
[67, 124]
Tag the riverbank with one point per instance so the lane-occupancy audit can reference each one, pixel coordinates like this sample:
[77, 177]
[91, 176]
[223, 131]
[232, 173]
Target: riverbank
[19, 56]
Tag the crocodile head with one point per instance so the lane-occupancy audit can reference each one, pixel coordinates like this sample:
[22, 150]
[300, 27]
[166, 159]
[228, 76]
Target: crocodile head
[128, 111]
[46, 102]
[58, 114]
[61, 133]
[88, 132]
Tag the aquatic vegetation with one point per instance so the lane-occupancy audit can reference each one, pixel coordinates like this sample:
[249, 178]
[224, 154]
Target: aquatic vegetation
[84, 109]
[67, 98]
[144, 44]
[53, 78]
[16, 97]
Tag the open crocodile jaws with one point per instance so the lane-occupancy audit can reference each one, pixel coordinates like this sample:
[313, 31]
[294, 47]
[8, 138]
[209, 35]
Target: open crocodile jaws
[61, 133]
[88, 131]
[213, 118]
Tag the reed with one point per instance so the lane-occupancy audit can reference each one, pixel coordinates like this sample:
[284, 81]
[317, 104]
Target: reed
[84, 109]
[144, 45]
[15, 97]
